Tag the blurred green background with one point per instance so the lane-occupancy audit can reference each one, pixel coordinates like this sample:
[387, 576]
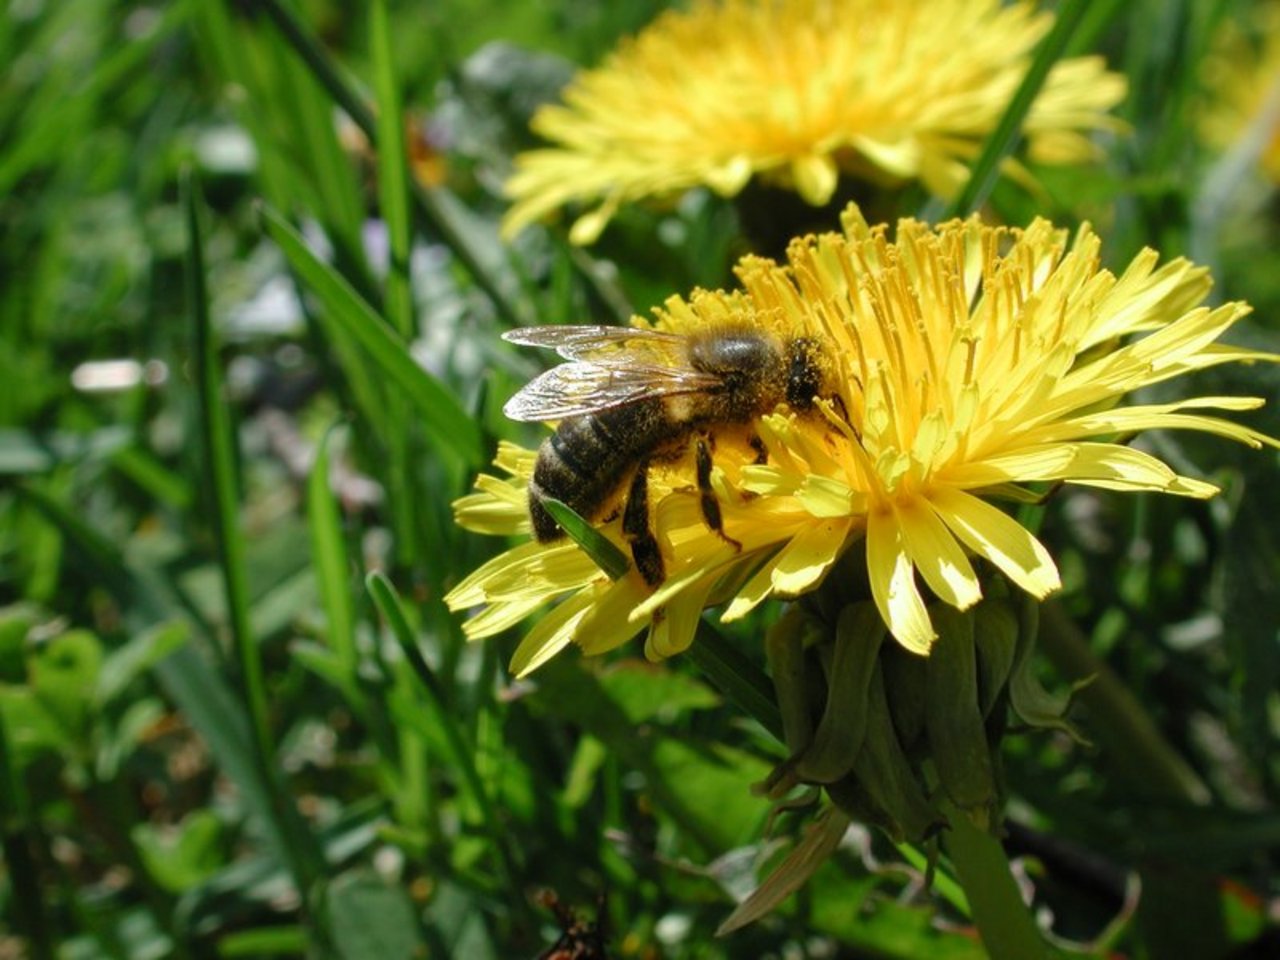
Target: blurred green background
[218, 739]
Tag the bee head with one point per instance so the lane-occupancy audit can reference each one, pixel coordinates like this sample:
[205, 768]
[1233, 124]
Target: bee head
[805, 372]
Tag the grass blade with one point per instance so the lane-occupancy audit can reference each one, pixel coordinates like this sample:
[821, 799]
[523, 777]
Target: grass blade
[218, 441]
[737, 677]
[388, 603]
[393, 191]
[1004, 139]
[597, 546]
[446, 423]
[393, 203]
[429, 203]
[329, 557]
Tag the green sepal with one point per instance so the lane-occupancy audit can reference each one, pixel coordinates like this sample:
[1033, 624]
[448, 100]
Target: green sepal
[957, 736]
[818, 843]
[995, 633]
[1031, 702]
[905, 683]
[887, 778]
[784, 647]
[843, 727]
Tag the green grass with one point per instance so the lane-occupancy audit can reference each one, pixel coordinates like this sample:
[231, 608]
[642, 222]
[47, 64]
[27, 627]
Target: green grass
[236, 718]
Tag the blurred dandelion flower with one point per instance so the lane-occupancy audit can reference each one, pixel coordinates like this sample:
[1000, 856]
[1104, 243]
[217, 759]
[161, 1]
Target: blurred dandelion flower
[967, 362]
[1242, 85]
[799, 91]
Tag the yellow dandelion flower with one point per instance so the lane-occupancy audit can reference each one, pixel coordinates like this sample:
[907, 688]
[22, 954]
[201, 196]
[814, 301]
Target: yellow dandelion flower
[967, 361]
[1242, 81]
[799, 91]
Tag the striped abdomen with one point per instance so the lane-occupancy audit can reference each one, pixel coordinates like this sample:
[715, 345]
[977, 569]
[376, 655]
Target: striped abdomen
[585, 461]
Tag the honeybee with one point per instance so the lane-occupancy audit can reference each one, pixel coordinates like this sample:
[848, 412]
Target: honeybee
[629, 396]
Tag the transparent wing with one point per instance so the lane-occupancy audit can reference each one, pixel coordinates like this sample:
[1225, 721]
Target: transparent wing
[602, 344]
[578, 388]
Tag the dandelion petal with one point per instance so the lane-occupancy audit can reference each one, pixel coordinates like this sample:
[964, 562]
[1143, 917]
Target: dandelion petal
[893, 584]
[995, 535]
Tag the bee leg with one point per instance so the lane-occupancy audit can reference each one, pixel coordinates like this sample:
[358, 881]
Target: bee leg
[707, 496]
[842, 411]
[635, 527]
[756, 444]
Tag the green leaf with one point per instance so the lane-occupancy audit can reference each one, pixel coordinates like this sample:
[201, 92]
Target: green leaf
[953, 716]
[15, 625]
[285, 941]
[125, 664]
[372, 920]
[705, 787]
[183, 855]
[818, 843]
[443, 418]
[219, 446]
[116, 742]
[648, 692]
[843, 726]
[61, 672]
[31, 730]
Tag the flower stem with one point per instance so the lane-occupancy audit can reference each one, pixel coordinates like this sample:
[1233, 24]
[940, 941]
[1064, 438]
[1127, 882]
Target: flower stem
[1121, 725]
[1006, 926]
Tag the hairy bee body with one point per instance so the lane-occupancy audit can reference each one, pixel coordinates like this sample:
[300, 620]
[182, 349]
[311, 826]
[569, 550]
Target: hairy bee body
[587, 459]
[631, 395]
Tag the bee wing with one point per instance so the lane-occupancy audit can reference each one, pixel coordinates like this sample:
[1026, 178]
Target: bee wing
[603, 343]
[579, 388]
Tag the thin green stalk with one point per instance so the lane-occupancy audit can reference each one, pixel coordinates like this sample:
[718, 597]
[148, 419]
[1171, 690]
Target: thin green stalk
[1004, 139]
[393, 203]
[1007, 928]
[388, 603]
[737, 677]
[414, 796]
[218, 442]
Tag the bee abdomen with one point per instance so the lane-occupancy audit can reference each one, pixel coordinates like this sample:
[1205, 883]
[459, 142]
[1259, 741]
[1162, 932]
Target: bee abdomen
[587, 458]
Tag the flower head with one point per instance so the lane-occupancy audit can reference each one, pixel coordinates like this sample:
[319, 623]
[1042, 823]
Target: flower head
[967, 362]
[798, 91]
